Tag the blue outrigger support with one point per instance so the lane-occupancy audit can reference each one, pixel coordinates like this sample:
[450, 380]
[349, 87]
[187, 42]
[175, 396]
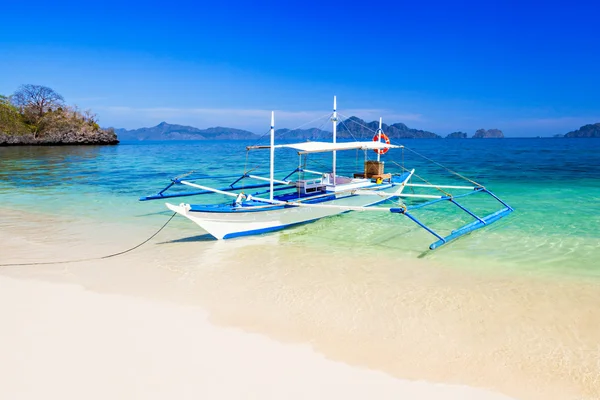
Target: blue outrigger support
[455, 234]
[160, 195]
[479, 222]
[471, 227]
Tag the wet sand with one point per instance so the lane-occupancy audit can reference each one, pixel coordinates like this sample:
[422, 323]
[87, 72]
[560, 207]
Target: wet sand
[525, 336]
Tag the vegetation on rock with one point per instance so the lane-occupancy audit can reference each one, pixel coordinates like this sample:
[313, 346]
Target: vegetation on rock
[10, 118]
[36, 114]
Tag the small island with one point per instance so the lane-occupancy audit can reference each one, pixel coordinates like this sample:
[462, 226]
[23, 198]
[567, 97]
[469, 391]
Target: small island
[479, 134]
[586, 131]
[488, 134]
[37, 115]
[457, 135]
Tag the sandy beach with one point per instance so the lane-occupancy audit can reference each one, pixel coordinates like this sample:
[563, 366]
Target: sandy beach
[60, 341]
[267, 319]
[410, 193]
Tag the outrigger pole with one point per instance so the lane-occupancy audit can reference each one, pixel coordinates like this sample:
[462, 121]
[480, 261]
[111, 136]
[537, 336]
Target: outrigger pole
[479, 222]
[272, 171]
[379, 131]
[334, 120]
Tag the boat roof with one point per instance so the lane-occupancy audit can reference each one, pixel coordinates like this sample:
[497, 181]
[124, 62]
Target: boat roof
[321, 147]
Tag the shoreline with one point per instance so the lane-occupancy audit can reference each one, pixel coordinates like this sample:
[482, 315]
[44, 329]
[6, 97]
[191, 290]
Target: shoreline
[58, 144]
[102, 138]
[527, 337]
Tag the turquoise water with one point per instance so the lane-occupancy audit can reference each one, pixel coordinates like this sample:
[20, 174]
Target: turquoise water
[554, 185]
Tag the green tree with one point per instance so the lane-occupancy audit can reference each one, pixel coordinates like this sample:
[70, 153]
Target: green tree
[37, 98]
[11, 121]
[34, 102]
[40, 110]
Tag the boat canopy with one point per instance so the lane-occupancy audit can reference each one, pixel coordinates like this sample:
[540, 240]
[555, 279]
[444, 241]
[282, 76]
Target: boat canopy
[321, 147]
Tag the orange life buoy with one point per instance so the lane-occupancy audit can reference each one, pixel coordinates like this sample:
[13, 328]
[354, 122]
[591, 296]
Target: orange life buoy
[385, 139]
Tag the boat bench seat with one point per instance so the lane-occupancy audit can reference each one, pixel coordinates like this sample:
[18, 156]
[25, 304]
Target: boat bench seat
[339, 180]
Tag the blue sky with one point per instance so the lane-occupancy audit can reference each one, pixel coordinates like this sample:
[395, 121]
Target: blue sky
[527, 67]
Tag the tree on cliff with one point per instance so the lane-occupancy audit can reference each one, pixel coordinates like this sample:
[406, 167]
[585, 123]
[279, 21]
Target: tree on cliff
[37, 114]
[37, 99]
[35, 103]
[10, 119]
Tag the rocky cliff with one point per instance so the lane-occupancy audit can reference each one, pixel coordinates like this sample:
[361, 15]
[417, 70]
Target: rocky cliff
[37, 115]
[83, 135]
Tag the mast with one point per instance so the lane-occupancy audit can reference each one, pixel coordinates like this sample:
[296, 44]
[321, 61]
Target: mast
[272, 155]
[334, 121]
[379, 138]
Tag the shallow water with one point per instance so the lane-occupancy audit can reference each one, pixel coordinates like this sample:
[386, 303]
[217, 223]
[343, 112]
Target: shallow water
[528, 337]
[514, 307]
[553, 184]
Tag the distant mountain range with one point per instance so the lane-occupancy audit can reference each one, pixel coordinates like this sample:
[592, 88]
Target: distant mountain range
[355, 127]
[303, 134]
[351, 128]
[166, 131]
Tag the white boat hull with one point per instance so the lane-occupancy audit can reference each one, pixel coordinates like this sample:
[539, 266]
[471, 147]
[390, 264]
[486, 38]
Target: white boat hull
[225, 225]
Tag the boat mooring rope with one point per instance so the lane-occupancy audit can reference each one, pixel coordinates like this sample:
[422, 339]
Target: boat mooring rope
[93, 258]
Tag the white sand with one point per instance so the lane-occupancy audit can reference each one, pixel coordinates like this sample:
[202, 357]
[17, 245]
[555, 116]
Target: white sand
[135, 326]
[62, 342]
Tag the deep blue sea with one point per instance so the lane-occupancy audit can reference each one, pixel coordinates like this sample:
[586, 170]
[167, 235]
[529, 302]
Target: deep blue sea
[553, 184]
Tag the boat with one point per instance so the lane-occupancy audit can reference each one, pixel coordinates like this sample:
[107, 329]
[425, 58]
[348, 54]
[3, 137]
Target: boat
[307, 195]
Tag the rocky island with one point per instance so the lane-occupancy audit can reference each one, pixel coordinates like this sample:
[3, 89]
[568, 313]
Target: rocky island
[586, 131]
[457, 135]
[37, 115]
[488, 134]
